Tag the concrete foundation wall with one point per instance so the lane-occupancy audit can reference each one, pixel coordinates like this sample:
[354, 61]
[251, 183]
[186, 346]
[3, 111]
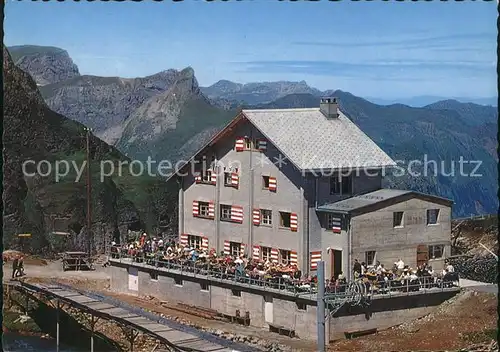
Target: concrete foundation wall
[266, 307]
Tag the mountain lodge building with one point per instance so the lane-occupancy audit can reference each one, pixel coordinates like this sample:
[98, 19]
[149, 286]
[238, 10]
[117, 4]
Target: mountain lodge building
[301, 185]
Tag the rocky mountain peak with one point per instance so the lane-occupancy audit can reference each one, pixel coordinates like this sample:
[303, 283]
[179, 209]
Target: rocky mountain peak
[45, 64]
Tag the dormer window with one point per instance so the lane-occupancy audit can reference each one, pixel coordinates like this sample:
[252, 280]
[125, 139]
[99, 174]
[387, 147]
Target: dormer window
[341, 185]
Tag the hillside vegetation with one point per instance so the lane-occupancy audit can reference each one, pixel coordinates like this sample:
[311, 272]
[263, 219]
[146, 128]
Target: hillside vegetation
[40, 205]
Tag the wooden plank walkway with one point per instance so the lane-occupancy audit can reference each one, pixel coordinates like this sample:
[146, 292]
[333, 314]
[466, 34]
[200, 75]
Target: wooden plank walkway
[188, 340]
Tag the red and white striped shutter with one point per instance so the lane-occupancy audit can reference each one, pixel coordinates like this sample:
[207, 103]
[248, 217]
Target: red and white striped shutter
[196, 208]
[272, 184]
[315, 258]
[240, 144]
[262, 144]
[336, 224]
[227, 248]
[213, 177]
[204, 243]
[256, 253]
[184, 239]
[242, 249]
[237, 213]
[211, 210]
[274, 255]
[235, 179]
[256, 216]
[293, 258]
[293, 222]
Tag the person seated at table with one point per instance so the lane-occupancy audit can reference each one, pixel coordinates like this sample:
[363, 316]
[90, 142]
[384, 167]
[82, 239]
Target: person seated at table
[380, 269]
[356, 267]
[193, 255]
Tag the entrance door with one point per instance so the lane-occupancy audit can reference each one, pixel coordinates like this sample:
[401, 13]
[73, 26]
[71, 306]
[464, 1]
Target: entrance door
[422, 254]
[335, 263]
[268, 310]
[133, 282]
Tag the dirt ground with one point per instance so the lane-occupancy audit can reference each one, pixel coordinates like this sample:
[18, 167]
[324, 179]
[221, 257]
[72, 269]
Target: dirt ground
[467, 319]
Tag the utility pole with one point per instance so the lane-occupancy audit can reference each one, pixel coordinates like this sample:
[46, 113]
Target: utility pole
[320, 306]
[89, 200]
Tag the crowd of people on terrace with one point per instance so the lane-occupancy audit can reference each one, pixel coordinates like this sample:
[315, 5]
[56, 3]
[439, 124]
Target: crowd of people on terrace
[376, 278]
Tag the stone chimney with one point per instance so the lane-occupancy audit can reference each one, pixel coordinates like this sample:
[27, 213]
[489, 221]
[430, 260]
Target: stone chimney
[329, 107]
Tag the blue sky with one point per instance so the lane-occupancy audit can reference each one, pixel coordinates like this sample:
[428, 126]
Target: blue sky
[378, 49]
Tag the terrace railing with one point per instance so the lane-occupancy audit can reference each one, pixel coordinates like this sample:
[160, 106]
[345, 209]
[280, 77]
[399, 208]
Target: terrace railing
[286, 285]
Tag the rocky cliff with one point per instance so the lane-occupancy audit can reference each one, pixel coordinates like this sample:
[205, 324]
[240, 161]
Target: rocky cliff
[40, 205]
[104, 103]
[164, 126]
[45, 64]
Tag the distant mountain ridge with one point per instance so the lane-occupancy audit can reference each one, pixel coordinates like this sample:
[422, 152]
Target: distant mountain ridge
[168, 116]
[266, 92]
[424, 100]
[257, 92]
[104, 103]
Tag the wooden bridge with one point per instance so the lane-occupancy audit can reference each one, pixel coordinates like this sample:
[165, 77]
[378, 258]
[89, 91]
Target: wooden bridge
[176, 336]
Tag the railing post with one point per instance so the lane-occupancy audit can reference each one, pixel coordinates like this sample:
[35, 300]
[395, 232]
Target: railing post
[320, 306]
[92, 333]
[57, 326]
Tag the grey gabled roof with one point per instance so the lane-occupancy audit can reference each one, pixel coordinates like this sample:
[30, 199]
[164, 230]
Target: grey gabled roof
[313, 142]
[377, 198]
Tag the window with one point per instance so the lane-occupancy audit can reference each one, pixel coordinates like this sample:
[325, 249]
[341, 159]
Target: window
[370, 257]
[333, 221]
[432, 216]
[236, 293]
[203, 209]
[206, 175]
[266, 217]
[436, 251]
[178, 281]
[194, 241]
[397, 219]
[285, 219]
[248, 143]
[340, 185]
[203, 286]
[285, 257]
[265, 182]
[235, 249]
[153, 275]
[265, 254]
[225, 212]
[228, 179]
